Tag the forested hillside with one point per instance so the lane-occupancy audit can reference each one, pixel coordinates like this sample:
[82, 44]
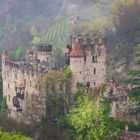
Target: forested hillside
[26, 23]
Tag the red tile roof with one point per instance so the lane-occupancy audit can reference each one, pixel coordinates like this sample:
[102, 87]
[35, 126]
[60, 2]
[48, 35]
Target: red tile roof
[76, 49]
[20, 86]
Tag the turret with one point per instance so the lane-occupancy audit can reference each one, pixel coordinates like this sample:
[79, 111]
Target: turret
[5, 57]
[44, 51]
[44, 54]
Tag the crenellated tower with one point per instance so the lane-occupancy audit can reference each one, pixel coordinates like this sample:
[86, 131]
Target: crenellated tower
[87, 56]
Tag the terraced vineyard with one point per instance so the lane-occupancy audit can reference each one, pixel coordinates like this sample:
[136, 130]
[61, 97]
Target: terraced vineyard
[58, 35]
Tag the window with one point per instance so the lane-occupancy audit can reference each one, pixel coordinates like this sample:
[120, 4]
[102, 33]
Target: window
[94, 83]
[30, 83]
[15, 76]
[94, 58]
[9, 98]
[47, 59]
[18, 91]
[39, 87]
[94, 71]
[22, 91]
[8, 86]
[26, 95]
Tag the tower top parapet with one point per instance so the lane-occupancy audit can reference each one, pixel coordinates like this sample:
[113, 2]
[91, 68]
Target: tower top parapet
[44, 48]
[80, 44]
[37, 61]
[88, 40]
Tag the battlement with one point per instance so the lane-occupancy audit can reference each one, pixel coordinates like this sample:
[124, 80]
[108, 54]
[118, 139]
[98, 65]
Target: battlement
[35, 63]
[44, 48]
[88, 40]
[80, 45]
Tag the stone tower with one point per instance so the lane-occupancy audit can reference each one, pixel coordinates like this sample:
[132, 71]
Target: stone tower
[20, 77]
[86, 56]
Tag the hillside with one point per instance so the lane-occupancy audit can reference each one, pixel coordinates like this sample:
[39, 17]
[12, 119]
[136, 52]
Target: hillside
[21, 21]
[25, 24]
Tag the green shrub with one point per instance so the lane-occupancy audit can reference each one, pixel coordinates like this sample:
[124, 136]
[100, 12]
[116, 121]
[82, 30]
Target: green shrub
[12, 136]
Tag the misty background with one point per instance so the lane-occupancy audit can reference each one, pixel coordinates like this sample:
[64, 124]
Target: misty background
[25, 24]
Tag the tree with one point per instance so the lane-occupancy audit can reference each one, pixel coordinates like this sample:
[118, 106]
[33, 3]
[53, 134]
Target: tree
[3, 105]
[134, 75]
[53, 98]
[126, 15]
[36, 38]
[16, 54]
[88, 120]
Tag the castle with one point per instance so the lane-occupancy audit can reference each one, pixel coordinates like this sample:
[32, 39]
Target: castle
[86, 56]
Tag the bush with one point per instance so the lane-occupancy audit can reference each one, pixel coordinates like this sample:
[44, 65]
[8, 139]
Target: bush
[12, 136]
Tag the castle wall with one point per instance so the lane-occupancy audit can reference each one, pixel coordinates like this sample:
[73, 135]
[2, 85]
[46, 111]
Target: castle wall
[20, 79]
[15, 76]
[77, 66]
[95, 71]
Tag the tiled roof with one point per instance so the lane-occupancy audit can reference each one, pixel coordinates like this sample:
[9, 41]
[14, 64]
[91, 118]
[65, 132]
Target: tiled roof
[76, 49]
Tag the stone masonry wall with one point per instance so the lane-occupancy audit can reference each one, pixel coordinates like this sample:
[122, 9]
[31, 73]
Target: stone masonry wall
[87, 57]
[20, 78]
